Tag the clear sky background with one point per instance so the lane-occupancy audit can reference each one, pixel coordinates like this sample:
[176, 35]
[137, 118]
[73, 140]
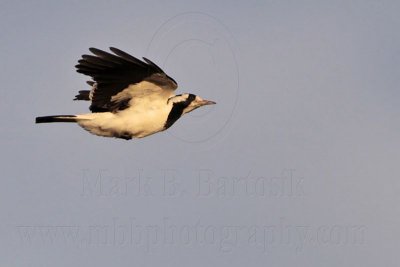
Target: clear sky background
[297, 164]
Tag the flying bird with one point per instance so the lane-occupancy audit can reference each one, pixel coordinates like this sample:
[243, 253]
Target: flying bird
[130, 98]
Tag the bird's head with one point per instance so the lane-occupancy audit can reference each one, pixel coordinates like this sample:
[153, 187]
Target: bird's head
[189, 102]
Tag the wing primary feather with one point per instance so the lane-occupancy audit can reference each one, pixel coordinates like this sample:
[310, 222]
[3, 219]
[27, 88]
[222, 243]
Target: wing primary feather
[151, 63]
[114, 71]
[89, 63]
[107, 56]
[87, 68]
[98, 61]
[126, 56]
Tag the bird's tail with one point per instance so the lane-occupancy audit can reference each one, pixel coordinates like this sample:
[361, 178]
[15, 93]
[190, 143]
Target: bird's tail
[56, 118]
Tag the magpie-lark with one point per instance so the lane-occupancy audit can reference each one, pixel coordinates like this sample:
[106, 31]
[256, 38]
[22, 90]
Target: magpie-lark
[129, 97]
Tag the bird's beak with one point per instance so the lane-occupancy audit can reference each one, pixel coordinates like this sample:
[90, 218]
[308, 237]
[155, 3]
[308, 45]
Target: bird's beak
[207, 102]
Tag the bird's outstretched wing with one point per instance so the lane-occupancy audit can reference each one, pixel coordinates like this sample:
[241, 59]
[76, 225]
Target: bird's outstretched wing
[119, 77]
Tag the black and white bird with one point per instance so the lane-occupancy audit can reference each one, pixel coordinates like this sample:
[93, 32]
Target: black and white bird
[129, 97]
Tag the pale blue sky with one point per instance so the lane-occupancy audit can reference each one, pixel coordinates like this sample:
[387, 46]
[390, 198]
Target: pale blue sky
[297, 165]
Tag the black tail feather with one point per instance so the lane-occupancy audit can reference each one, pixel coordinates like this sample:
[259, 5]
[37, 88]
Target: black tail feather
[56, 118]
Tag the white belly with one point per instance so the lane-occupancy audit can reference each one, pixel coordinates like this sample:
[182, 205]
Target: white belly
[141, 123]
[134, 121]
